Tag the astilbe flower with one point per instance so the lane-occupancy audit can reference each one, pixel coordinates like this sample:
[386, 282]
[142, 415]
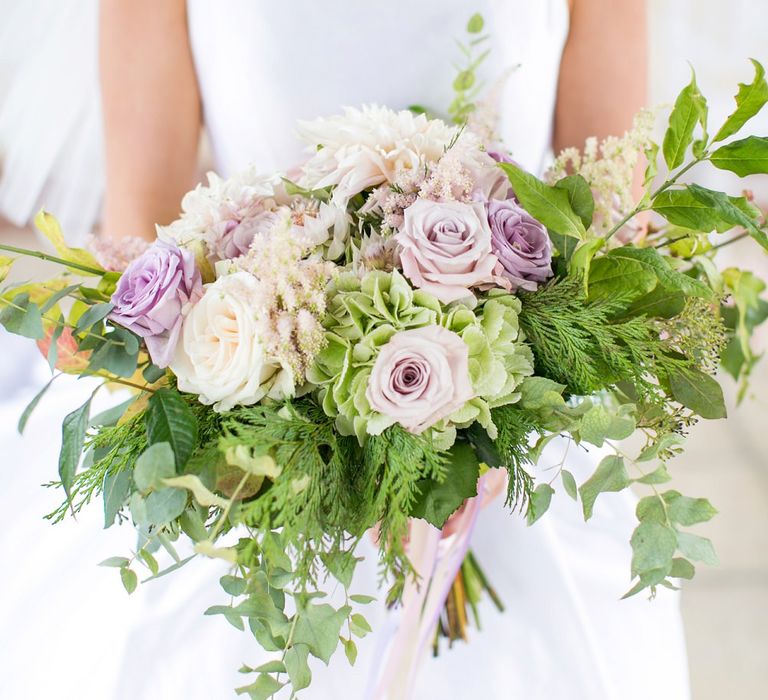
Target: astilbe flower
[609, 167]
[290, 297]
[115, 254]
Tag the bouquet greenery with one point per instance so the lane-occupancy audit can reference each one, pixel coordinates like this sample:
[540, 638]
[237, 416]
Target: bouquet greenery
[366, 346]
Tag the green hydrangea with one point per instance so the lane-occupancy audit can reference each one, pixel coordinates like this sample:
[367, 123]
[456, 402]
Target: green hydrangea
[363, 314]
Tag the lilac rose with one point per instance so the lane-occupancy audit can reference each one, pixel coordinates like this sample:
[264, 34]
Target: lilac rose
[521, 244]
[420, 377]
[231, 238]
[445, 248]
[153, 295]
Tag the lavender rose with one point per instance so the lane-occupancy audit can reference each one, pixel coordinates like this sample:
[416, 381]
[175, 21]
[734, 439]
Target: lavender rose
[420, 377]
[521, 244]
[153, 295]
[231, 238]
[446, 248]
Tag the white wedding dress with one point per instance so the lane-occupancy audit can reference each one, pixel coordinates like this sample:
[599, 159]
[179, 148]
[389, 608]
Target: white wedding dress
[66, 628]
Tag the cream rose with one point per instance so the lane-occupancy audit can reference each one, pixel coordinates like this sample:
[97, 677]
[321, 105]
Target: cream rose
[446, 248]
[220, 356]
[420, 377]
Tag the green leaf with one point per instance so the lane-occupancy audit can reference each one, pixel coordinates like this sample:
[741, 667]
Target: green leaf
[150, 561]
[297, 666]
[581, 261]
[569, 484]
[22, 317]
[660, 475]
[169, 419]
[117, 353]
[665, 442]
[165, 505]
[235, 586]
[729, 210]
[129, 579]
[33, 405]
[598, 425]
[580, 197]
[192, 525]
[539, 502]
[654, 262]
[54, 299]
[72, 437]
[155, 464]
[750, 99]
[359, 625]
[690, 109]
[651, 509]
[682, 568]
[5, 266]
[111, 415]
[653, 546]
[688, 511]
[659, 303]
[437, 501]
[341, 564]
[746, 157]
[114, 492]
[464, 80]
[549, 205]
[610, 476]
[682, 208]
[94, 315]
[475, 24]
[699, 392]
[619, 278]
[350, 649]
[696, 548]
[262, 688]
[318, 627]
[116, 562]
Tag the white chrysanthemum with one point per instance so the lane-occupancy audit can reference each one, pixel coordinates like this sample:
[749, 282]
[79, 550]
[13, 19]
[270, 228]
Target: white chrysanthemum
[365, 147]
[212, 214]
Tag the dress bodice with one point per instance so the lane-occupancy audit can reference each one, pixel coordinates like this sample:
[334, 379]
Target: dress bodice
[262, 65]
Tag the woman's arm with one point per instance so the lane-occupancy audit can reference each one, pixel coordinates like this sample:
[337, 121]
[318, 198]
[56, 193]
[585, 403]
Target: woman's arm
[152, 114]
[603, 75]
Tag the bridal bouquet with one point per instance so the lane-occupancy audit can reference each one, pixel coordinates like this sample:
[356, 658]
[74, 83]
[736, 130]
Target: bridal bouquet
[366, 344]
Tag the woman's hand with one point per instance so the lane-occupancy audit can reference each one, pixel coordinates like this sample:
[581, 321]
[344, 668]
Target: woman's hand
[152, 113]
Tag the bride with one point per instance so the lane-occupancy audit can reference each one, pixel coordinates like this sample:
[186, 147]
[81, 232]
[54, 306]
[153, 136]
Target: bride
[246, 70]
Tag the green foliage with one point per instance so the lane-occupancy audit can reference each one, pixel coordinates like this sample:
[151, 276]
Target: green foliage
[580, 197]
[750, 99]
[748, 156]
[465, 85]
[169, 419]
[551, 205]
[690, 109]
[72, 438]
[22, 317]
[610, 475]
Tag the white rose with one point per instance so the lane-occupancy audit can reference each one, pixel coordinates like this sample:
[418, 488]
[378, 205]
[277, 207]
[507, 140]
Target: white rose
[220, 356]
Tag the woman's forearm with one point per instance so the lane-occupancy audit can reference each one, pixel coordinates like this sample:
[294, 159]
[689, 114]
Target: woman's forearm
[152, 115]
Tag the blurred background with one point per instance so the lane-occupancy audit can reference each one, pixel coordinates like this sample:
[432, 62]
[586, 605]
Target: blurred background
[725, 608]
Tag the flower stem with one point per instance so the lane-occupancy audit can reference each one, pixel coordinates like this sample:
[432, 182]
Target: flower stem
[52, 258]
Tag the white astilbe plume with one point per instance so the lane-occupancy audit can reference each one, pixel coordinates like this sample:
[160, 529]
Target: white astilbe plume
[290, 298]
[609, 168]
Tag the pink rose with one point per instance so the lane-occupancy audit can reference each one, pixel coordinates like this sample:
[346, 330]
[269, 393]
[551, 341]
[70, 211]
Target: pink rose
[420, 377]
[446, 248]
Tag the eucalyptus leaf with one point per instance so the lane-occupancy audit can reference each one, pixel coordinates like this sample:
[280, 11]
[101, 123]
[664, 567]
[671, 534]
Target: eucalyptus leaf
[22, 317]
[165, 505]
[696, 548]
[569, 484]
[539, 502]
[653, 546]
[32, 405]
[73, 430]
[610, 475]
[318, 627]
[115, 491]
[297, 667]
[153, 465]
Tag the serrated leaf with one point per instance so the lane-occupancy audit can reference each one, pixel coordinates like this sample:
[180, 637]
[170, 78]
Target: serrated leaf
[169, 419]
[699, 392]
[690, 109]
[539, 502]
[297, 667]
[73, 430]
[750, 99]
[549, 205]
[610, 476]
[129, 579]
[748, 156]
[156, 463]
